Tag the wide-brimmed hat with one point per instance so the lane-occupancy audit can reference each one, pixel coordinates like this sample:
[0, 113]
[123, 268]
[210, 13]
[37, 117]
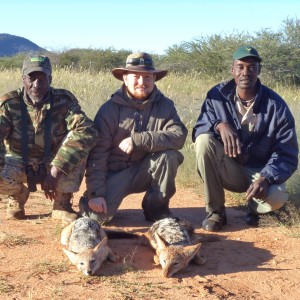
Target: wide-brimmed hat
[246, 51]
[140, 63]
[36, 63]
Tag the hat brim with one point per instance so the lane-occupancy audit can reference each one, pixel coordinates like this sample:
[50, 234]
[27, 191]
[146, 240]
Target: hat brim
[119, 72]
[36, 69]
[250, 55]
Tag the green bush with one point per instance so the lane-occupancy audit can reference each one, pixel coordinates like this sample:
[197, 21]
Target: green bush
[209, 56]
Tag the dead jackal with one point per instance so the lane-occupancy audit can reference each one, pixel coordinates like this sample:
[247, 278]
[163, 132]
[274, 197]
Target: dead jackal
[87, 245]
[172, 241]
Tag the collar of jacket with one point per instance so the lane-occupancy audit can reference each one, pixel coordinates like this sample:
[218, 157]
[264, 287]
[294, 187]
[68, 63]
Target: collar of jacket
[121, 96]
[228, 89]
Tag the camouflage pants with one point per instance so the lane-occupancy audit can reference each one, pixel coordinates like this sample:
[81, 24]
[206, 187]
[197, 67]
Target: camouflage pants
[13, 177]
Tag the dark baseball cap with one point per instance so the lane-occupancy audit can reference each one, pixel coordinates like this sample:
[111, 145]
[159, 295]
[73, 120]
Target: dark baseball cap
[246, 51]
[39, 63]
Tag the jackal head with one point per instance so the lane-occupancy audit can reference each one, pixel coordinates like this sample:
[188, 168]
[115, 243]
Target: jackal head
[90, 260]
[174, 258]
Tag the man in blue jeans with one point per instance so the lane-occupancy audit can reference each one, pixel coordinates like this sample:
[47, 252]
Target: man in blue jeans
[245, 142]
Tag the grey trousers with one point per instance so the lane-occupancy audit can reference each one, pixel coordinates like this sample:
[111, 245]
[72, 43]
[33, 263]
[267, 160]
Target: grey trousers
[155, 175]
[219, 172]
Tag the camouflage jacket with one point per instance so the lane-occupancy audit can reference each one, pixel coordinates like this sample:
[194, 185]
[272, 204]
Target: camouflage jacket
[73, 134]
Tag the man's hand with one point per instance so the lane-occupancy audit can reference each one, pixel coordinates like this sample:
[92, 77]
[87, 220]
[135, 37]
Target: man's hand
[258, 189]
[98, 205]
[50, 182]
[230, 139]
[126, 145]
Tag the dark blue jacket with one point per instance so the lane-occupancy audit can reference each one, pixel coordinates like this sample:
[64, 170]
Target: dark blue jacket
[273, 145]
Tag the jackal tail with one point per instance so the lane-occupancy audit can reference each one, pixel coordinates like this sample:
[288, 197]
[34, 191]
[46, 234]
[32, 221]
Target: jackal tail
[120, 234]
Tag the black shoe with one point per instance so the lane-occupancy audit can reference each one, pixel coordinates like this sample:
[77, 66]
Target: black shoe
[155, 216]
[252, 219]
[214, 221]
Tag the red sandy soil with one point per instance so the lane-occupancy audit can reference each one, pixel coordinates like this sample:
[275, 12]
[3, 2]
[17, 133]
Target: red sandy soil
[246, 263]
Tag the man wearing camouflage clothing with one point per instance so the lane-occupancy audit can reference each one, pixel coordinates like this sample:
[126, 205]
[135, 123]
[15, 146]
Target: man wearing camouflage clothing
[47, 138]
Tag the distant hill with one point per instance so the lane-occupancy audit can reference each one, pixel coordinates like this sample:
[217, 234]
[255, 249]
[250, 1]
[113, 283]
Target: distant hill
[11, 45]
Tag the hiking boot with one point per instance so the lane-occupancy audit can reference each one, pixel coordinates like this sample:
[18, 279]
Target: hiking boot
[252, 219]
[214, 221]
[155, 208]
[15, 211]
[15, 208]
[62, 208]
[64, 215]
[155, 216]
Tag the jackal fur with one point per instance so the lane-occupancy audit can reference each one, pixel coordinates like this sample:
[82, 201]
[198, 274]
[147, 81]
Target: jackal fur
[86, 244]
[172, 240]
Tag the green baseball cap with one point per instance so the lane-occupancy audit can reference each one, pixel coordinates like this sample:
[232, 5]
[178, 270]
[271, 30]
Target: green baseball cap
[39, 63]
[246, 51]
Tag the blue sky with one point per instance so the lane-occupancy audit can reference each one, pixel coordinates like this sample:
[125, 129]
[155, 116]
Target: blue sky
[137, 25]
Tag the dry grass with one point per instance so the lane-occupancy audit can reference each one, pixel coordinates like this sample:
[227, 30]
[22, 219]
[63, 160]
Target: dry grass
[5, 287]
[10, 240]
[187, 91]
[46, 267]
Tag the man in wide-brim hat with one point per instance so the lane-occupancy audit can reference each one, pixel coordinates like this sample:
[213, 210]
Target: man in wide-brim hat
[139, 62]
[140, 135]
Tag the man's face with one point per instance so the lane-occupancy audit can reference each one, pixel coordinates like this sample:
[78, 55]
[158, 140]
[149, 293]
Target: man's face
[36, 85]
[245, 72]
[139, 85]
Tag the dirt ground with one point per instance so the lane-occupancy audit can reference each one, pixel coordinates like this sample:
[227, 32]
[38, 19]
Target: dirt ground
[246, 263]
